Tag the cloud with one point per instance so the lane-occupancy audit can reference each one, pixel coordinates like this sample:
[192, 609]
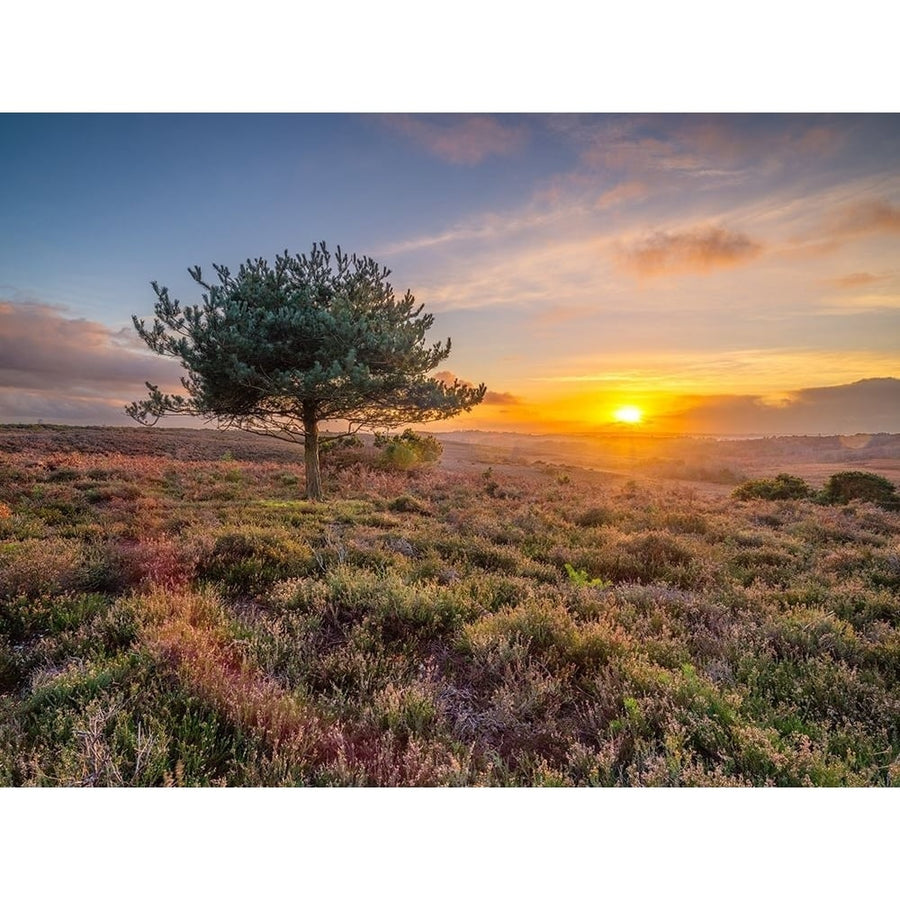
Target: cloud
[632, 191]
[730, 148]
[553, 316]
[692, 365]
[856, 279]
[698, 250]
[759, 142]
[491, 398]
[484, 228]
[72, 370]
[861, 303]
[870, 405]
[533, 271]
[642, 155]
[44, 406]
[864, 217]
[461, 140]
[847, 221]
[501, 398]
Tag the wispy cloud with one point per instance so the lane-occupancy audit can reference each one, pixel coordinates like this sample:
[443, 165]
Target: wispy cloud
[870, 216]
[860, 303]
[843, 220]
[856, 279]
[627, 191]
[724, 149]
[536, 272]
[488, 227]
[462, 140]
[696, 250]
[557, 315]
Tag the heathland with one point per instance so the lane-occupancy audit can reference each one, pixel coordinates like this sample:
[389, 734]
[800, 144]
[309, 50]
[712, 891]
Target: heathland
[593, 610]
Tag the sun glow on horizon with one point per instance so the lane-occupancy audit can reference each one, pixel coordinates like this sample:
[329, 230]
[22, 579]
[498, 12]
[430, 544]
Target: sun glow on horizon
[629, 415]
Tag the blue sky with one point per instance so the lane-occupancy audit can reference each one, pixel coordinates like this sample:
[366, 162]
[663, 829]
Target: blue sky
[712, 269]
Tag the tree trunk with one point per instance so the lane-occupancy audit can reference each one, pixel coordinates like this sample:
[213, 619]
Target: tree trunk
[311, 452]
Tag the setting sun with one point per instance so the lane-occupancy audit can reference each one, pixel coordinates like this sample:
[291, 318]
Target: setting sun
[631, 415]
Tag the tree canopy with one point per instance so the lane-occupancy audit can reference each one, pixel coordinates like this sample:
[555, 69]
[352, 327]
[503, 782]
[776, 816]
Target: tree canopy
[277, 350]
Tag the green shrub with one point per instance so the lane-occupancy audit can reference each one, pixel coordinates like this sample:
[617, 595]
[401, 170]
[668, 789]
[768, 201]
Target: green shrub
[62, 474]
[781, 487]
[582, 579]
[109, 492]
[407, 450]
[10, 666]
[643, 558]
[595, 516]
[842, 487]
[248, 563]
[407, 504]
[769, 565]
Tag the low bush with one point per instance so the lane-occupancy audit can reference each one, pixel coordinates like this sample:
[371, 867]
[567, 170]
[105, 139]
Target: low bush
[342, 450]
[407, 504]
[781, 487]
[247, 563]
[842, 487]
[582, 579]
[407, 450]
[595, 516]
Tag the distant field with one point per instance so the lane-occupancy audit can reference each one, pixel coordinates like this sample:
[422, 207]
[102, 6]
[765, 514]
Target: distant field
[711, 466]
[584, 611]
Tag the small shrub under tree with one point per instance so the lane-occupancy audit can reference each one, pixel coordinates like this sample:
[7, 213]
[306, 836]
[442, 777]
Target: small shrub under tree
[408, 450]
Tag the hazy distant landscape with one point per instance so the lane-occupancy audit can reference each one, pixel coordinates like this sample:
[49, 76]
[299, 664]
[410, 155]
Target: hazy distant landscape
[708, 461]
[525, 611]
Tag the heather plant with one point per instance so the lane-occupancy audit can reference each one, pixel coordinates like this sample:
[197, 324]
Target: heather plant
[419, 631]
[595, 517]
[247, 562]
[407, 504]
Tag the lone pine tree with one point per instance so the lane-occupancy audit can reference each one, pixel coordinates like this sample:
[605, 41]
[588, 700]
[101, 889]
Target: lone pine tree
[280, 350]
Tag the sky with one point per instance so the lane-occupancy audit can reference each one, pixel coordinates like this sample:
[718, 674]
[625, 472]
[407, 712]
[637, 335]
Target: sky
[732, 274]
